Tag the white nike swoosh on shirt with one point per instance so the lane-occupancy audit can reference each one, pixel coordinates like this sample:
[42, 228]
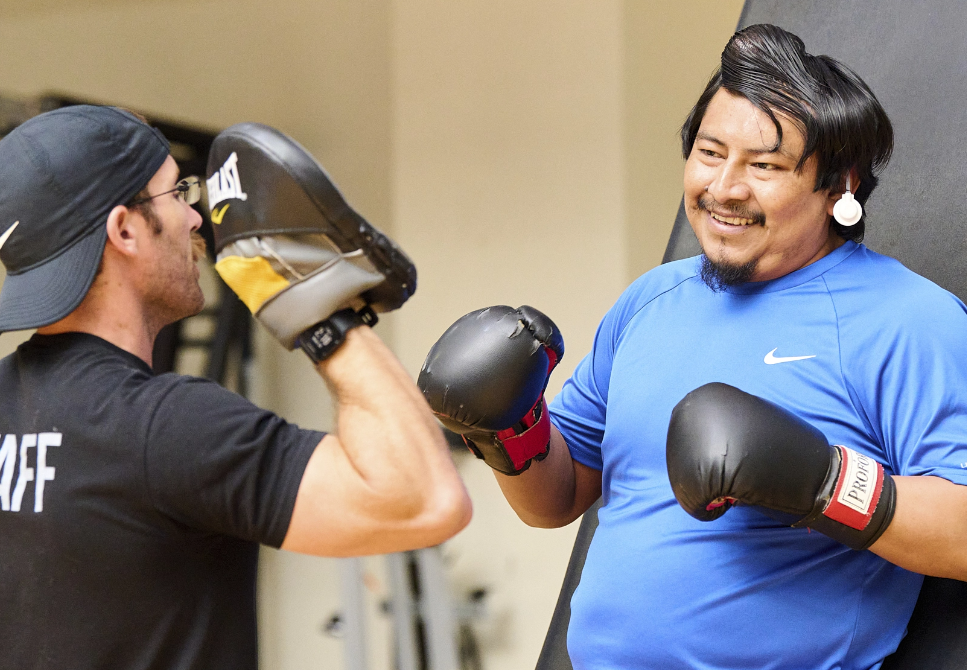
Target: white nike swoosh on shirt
[3, 238]
[771, 359]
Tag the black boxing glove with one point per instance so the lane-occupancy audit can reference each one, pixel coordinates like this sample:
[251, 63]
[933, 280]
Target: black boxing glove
[485, 379]
[728, 447]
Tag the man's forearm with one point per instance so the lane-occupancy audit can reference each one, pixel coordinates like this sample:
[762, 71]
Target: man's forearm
[553, 492]
[928, 533]
[384, 480]
[385, 427]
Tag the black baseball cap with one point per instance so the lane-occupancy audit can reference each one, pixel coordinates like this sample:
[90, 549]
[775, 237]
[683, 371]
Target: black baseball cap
[61, 174]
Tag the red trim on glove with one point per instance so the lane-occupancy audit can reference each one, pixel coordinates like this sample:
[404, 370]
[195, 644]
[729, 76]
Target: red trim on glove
[718, 503]
[551, 359]
[858, 489]
[533, 441]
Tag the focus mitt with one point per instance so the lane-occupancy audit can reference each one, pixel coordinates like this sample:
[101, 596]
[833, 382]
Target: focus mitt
[288, 244]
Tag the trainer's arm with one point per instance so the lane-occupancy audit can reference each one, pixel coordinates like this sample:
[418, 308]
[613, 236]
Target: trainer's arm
[928, 533]
[553, 492]
[384, 481]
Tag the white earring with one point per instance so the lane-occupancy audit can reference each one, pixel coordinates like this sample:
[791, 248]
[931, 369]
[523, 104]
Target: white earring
[847, 211]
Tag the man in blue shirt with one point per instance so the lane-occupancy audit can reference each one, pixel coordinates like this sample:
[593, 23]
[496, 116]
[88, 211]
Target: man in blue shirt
[719, 383]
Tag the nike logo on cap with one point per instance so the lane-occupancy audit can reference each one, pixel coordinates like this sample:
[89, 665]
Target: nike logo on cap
[218, 215]
[772, 359]
[3, 238]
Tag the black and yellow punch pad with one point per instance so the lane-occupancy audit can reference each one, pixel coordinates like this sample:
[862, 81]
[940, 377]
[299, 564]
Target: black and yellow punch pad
[263, 184]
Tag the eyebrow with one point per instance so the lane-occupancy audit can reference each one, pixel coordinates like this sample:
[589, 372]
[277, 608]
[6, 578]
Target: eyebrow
[756, 152]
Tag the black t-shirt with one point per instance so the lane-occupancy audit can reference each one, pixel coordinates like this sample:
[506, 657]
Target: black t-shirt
[131, 509]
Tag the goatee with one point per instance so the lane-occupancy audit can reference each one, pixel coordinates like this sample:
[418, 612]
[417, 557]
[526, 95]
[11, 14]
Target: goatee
[720, 276]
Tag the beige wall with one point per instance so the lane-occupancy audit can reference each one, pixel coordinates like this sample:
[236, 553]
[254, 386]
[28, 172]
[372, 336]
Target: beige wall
[521, 152]
[670, 55]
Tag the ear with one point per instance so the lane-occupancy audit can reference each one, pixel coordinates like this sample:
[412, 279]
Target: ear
[123, 230]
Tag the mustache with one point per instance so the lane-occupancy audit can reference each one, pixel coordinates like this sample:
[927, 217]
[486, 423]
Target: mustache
[709, 204]
[198, 248]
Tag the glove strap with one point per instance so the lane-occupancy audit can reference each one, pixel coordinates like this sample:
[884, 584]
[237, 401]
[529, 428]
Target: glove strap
[861, 505]
[532, 441]
[857, 491]
[511, 450]
[322, 340]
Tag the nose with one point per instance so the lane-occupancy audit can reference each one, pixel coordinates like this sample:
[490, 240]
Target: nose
[194, 218]
[728, 183]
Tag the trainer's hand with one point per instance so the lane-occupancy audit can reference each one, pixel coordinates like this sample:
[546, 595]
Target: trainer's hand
[290, 246]
[485, 379]
[728, 447]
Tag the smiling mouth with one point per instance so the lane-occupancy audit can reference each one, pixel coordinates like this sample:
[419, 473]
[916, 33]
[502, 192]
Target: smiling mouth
[733, 220]
[708, 204]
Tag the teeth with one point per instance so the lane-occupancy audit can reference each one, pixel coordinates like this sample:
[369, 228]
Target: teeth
[732, 221]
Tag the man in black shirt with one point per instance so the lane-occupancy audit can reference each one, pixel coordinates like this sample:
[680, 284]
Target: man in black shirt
[132, 505]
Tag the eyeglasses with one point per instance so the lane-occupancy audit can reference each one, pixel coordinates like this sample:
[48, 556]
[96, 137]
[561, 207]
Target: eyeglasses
[188, 190]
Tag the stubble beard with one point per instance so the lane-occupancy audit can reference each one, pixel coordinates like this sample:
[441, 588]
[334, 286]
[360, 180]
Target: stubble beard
[198, 248]
[177, 293]
[198, 252]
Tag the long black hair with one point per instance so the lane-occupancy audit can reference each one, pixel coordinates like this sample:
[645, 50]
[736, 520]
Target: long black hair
[842, 122]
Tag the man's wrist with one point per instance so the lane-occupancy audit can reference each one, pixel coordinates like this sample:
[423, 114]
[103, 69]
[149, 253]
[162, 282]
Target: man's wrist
[323, 339]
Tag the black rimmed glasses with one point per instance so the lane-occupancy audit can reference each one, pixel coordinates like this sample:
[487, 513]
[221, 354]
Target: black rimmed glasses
[188, 190]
